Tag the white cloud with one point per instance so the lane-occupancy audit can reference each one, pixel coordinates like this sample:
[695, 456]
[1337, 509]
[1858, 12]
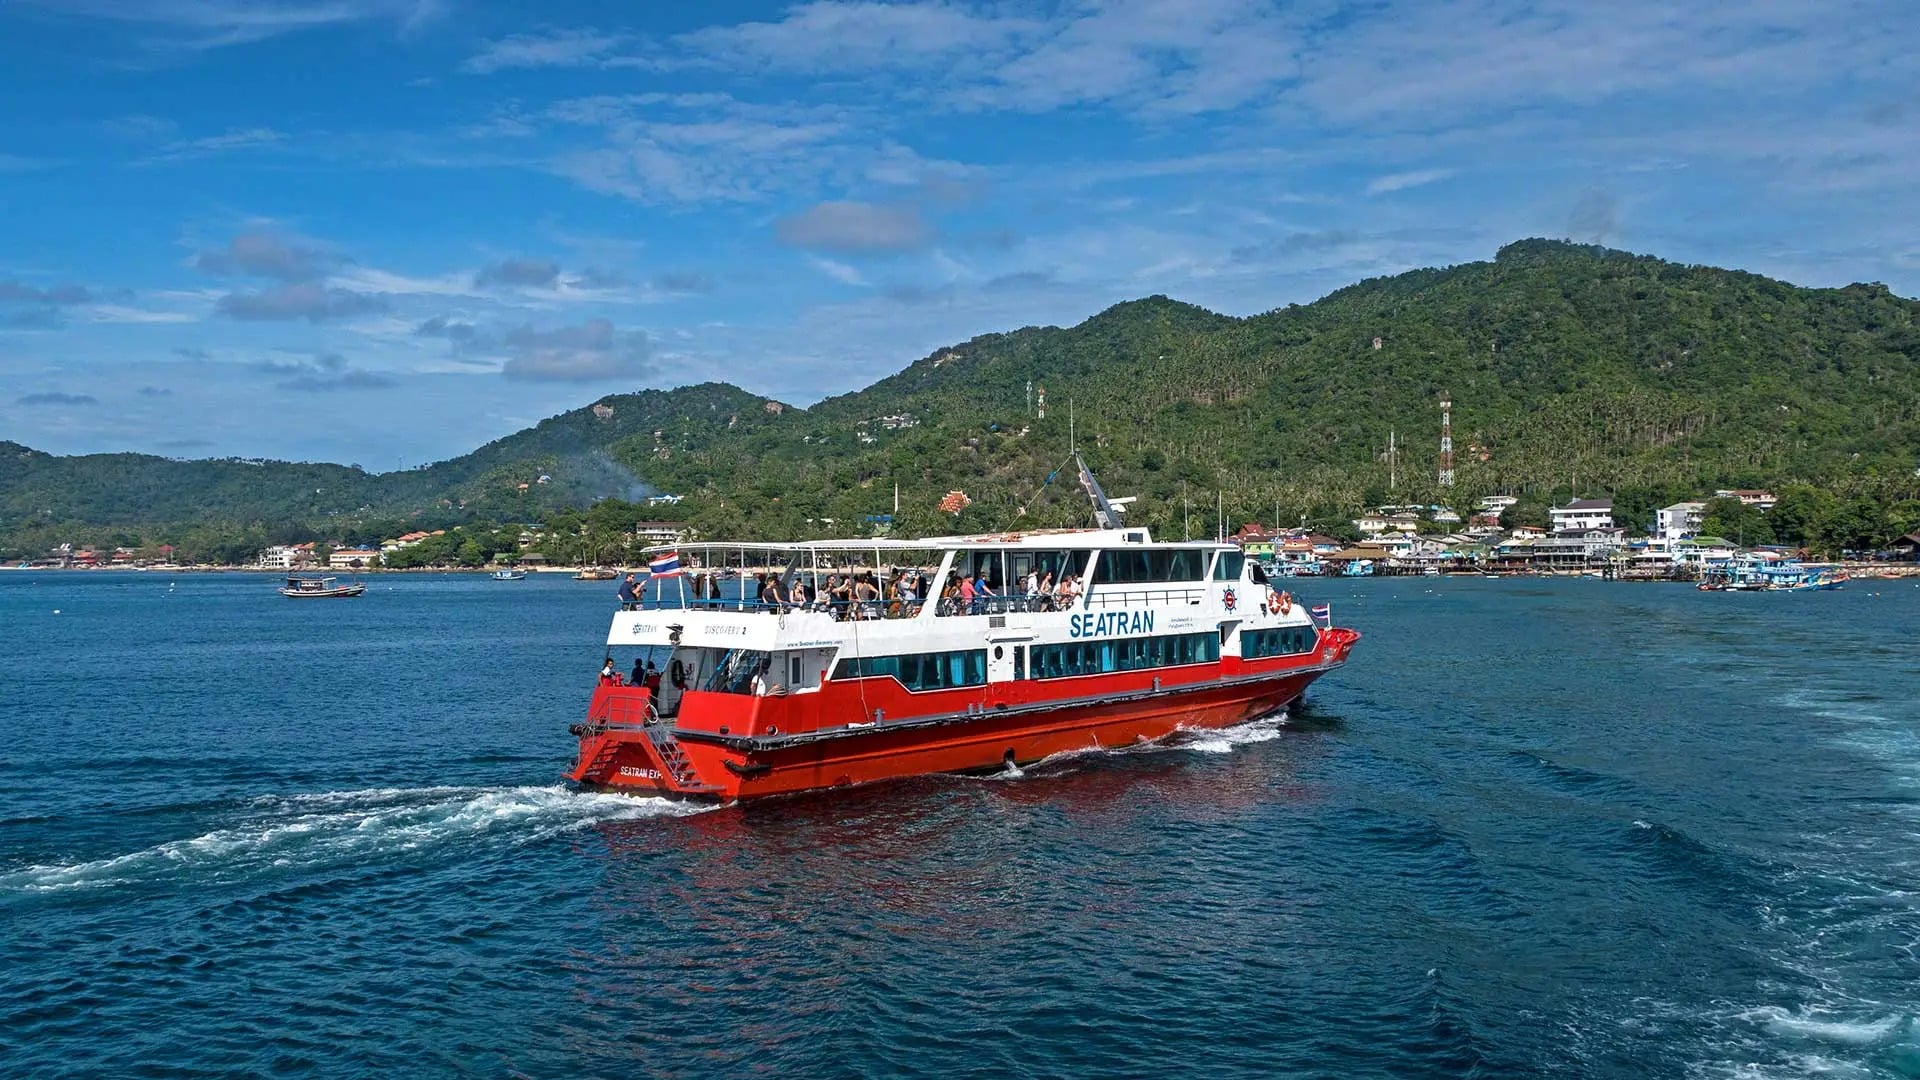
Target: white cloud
[117, 313]
[1380, 185]
[693, 148]
[838, 271]
[553, 48]
[849, 227]
[197, 25]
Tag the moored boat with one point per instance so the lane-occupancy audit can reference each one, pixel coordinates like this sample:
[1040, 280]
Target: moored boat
[508, 575]
[840, 665]
[320, 588]
[596, 573]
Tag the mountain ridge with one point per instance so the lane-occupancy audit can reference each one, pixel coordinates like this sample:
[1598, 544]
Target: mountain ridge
[1572, 367]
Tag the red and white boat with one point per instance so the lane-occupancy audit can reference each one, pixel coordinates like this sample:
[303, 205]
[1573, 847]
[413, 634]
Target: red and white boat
[772, 697]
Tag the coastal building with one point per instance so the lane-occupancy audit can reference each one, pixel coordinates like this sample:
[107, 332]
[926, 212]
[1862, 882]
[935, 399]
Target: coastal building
[1704, 551]
[354, 558]
[1583, 514]
[1759, 500]
[1254, 540]
[1494, 504]
[1679, 521]
[287, 556]
[659, 532]
[1379, 522]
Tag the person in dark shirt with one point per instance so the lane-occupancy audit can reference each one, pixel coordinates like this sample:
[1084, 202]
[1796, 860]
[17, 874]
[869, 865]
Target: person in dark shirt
[639, 673]
[629, 596]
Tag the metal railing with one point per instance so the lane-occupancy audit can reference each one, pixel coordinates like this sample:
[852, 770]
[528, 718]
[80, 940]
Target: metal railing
[1107, 596]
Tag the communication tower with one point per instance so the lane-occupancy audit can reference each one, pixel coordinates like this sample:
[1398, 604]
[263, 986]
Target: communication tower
[1446, 440]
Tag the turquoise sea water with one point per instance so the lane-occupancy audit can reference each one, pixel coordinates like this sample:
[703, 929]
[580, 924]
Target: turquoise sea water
[1575, 827]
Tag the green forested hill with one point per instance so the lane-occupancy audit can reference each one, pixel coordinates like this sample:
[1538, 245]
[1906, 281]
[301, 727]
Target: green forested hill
[1571, 368]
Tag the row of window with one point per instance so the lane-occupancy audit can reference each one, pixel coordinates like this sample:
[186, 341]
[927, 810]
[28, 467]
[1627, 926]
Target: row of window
[920, 671]
[1281, 641]
[1123, 654]
[1129, 565]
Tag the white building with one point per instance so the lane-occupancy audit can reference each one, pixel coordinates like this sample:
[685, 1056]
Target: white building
[1375, 524]
[659, 532]
[1583, 514]
[1760, 500]
[1679, 521]
[1494, 504]
[353, 558]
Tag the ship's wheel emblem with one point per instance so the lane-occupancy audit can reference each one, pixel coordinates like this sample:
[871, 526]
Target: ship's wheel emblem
[1227, 598]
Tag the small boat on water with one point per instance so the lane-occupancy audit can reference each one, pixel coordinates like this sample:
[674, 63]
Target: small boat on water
[508, 575]
[866, 660]
[1751, 574]
[320, 588]
[596, 573]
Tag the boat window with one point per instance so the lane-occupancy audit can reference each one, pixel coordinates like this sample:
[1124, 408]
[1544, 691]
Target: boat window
[1227, 568]
[1256, 575]
[735, 670]
[1135, 565]
[1280, 641]
[1123, 654]
[920, 671]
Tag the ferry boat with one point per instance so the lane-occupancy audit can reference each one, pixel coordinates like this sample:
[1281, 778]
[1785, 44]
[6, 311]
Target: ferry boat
[796, 682]
[320, 588]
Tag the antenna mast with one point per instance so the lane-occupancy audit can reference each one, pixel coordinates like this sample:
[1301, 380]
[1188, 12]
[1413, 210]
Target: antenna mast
[1104, 514]
[1446, 440]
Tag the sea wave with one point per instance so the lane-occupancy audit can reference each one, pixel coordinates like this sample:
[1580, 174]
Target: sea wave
[319, 828]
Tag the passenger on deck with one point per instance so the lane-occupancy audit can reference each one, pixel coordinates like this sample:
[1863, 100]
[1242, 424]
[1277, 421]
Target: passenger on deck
[868, 595]
[950, 594]
[968, 596]
[1043, 592]
[639, 672]
[797, 599]
[629, 595]
[982, 593]
[713, 589]
[608, 673]
[652, 678]
[842, 596]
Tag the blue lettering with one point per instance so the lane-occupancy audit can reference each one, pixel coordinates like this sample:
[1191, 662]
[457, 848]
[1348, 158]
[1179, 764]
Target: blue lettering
[1111, 622]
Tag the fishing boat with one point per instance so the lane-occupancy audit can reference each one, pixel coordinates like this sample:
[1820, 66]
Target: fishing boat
[850, 662]
[508, 575]
[320, 588]
[1754, 574]
[596, 573]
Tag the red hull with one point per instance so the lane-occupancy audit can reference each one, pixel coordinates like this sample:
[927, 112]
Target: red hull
[620, 752]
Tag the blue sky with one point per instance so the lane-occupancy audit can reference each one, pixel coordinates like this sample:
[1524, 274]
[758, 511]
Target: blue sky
[385, 231]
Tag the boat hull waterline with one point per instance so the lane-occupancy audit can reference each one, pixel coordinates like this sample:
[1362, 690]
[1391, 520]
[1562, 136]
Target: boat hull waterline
[620, 752]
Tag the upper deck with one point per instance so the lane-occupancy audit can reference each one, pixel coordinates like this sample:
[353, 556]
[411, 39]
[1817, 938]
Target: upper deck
[940, 591]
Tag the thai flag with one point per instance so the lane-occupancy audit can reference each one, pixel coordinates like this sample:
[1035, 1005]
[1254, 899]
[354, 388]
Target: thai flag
[1322, 613]
[665, 564]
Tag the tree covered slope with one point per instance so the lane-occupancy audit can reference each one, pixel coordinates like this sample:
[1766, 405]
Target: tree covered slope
[1571, 368]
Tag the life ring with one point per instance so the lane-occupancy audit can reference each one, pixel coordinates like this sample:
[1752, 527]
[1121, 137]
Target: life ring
[1286, 603]
[1273, 602]
[677, 674]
